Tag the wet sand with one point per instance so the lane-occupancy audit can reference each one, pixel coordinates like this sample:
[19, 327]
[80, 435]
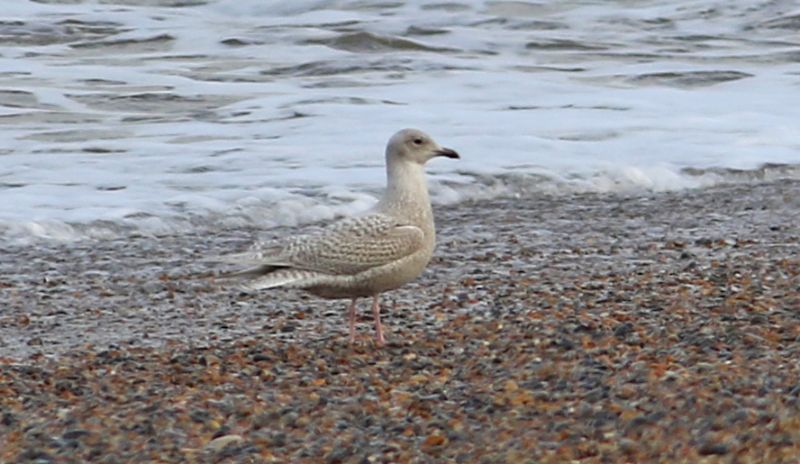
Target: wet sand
[598, 328]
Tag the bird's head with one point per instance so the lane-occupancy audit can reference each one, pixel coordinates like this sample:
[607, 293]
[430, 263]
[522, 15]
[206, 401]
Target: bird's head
[415, 146]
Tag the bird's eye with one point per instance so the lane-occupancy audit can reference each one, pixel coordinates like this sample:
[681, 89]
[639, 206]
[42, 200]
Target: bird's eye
[417, 141]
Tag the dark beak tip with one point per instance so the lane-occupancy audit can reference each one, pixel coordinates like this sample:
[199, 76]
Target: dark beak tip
[449, 153]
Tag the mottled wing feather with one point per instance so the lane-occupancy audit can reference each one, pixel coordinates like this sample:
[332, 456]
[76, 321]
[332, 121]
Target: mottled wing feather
[351, 246]
[347, 255]
[346, 247]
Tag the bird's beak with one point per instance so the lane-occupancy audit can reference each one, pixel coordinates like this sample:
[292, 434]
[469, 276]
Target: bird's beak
[447, 152]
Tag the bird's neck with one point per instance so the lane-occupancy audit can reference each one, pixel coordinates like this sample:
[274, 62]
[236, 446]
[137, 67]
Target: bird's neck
[406, 185]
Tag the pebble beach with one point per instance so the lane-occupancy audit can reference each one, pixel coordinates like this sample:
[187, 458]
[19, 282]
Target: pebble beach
[591, 328]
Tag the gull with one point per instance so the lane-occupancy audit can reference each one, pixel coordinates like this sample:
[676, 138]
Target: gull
[366, 255]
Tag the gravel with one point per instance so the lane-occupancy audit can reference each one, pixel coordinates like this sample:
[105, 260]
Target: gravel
[658, 327]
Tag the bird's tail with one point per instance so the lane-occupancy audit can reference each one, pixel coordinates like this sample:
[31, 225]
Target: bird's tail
[292, 278]
[270, 276]
[257, 271]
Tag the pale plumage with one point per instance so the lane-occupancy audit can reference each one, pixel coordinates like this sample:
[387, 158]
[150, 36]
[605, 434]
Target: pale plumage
[366, 255]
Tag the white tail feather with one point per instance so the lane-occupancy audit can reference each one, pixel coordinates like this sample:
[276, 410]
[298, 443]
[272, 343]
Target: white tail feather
[283, 278]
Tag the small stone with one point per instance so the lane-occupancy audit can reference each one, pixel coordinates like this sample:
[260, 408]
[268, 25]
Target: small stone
[37, 457]
[8, 419]
[260, 357]
[288, 328]
[278, 440]
[200, 415]
[74, 434]
[220, 443]
[338, 455]
[623, 330]
[628, 446]
[708, 448]
[434, 440]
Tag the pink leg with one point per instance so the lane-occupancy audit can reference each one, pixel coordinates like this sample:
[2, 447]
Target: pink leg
[352, 315]
[376, 312]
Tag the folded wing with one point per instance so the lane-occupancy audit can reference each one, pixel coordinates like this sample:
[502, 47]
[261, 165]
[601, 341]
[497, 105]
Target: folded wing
[348, 247]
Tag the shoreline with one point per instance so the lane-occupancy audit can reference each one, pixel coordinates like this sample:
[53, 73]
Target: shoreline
[160, 284]
[586, 326]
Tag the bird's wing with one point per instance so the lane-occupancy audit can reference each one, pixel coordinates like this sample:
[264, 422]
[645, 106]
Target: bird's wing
[354, 245]
[260, 253]
[346, 247]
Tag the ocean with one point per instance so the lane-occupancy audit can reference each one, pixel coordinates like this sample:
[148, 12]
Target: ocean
[160, 116]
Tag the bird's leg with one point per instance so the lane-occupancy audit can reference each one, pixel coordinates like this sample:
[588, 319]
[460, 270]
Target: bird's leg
[376, 311]
[351, 311]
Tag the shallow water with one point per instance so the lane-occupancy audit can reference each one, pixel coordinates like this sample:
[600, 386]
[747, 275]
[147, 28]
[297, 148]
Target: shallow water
[159, 115]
